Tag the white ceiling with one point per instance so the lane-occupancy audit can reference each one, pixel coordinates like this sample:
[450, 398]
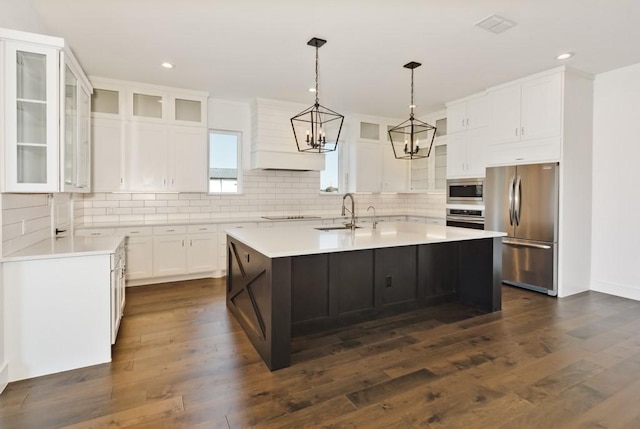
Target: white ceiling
[241, 49]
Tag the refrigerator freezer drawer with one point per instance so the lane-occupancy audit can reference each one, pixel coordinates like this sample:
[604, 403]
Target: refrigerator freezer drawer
[529, 264]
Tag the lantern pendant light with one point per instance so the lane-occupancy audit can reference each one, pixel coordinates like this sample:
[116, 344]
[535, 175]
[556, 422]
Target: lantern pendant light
[317, 128]
[407, 137]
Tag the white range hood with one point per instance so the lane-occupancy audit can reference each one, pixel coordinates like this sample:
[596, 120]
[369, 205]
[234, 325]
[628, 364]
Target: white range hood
[273, 146]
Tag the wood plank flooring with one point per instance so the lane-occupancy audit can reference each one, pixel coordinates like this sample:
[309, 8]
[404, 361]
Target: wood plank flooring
[181, 361]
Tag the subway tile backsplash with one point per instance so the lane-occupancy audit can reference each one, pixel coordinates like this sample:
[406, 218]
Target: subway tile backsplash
[266, 192]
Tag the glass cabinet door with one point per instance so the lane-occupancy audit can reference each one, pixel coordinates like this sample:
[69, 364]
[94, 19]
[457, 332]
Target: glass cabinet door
[32, 107]
[70, 126]
[84, 142]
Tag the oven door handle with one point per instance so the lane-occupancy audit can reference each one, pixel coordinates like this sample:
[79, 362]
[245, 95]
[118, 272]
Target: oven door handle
[466, 219]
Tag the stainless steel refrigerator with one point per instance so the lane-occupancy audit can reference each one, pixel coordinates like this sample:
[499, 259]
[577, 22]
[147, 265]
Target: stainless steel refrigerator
[522, 201]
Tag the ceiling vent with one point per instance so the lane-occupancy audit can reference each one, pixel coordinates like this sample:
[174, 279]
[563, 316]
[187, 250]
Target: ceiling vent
[496, 24]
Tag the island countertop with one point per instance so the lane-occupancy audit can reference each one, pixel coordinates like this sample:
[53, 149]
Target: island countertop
[307, 240]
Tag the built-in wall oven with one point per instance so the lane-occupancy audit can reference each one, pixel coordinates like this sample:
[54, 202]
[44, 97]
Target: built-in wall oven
[466, 218]
[465, 203]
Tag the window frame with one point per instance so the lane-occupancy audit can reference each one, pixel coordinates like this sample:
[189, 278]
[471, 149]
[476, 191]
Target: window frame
[239, 179]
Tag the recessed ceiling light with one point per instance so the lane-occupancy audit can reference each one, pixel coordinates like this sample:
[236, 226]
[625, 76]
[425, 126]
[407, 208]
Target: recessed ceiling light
[565, 56]
[167, 65]
[312, 90]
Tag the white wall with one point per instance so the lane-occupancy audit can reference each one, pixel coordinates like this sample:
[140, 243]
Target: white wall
[616, 176]
[20, 15]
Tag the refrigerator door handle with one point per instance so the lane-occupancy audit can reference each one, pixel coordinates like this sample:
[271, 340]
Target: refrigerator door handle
[517, 201]
[511, 217]
[525, 244]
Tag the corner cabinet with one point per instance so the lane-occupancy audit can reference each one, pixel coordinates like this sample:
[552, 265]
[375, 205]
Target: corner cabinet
[46, 137]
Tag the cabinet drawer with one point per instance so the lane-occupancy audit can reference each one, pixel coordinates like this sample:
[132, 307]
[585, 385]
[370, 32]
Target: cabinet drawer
[136, 231]
[197, 229]
[169, 230]
[94, 232]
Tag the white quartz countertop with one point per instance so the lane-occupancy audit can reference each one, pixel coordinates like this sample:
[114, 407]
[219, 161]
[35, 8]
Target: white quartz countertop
[306, 240]
[65, 247]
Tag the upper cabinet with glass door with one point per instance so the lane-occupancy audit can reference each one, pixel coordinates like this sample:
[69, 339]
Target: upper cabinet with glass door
[40, 122]
[31, 129]
[75, 128]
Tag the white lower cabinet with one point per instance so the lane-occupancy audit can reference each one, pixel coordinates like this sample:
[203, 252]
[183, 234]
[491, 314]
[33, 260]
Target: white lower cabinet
[169, 253]
[139, 250]
[180, 250]
[202, 253]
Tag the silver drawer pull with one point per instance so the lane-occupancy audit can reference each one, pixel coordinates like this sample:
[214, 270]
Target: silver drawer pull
[170, 230]
[96, 233]
[134, 232]
[202, 229]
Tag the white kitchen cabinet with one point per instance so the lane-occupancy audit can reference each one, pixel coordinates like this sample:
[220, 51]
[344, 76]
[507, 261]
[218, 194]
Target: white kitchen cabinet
[147, 155]
[32, 108]
[139, 251]
[75, 130]
[188, 159]
[202, 253]
[147, 104]
[169, 252]
[61, 305]
[188, 110]
[395, 172]
[46, 96]
[118, 295]
[466, 153]
[468, 114]
[108, 137]
[374, 168]
[149, 138]
[526, 111]
[180, 250]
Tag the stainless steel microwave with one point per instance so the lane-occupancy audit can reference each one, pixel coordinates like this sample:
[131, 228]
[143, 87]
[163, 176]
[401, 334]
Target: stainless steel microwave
[465, 191]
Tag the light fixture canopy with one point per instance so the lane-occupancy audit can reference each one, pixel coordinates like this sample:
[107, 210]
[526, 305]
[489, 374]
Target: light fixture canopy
[167, 65]
[317, 128]
[406, 137]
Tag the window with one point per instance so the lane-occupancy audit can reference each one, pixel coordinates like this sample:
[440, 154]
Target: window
[330, 176]
[224, 161]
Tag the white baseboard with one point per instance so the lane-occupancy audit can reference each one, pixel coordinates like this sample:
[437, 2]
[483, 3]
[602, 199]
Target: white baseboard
[618, 289]
[4, 376]
[169, 279]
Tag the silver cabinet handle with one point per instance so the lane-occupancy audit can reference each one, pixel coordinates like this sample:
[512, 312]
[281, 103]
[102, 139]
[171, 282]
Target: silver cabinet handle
[525, 244]
[182, 243]
[170, 230]
[190, 243]
[522, 131]
[462, 122]
[516, 132]
[202, 229]
[467, 122]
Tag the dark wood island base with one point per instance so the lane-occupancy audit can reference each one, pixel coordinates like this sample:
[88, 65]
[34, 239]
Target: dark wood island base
[273, 298]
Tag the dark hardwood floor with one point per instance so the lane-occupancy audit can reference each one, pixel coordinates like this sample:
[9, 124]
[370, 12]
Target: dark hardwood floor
[181, 361]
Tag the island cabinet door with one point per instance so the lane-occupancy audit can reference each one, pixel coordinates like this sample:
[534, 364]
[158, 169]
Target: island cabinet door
[395, 275]
[309, 288]
[438, 271]
[351, 282]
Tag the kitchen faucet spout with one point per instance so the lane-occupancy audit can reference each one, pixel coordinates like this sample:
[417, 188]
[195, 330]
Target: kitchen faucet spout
[352, 225]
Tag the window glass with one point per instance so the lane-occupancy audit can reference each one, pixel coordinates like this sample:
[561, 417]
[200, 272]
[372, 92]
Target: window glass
[330, 176]
[224, 161]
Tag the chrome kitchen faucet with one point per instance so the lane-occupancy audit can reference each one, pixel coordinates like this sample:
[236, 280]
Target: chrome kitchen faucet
[351, 225]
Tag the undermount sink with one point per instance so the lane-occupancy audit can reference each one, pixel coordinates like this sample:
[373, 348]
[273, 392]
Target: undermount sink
[334, 227]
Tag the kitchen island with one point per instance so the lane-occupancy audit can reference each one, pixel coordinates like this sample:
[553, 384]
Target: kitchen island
[284, 281]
